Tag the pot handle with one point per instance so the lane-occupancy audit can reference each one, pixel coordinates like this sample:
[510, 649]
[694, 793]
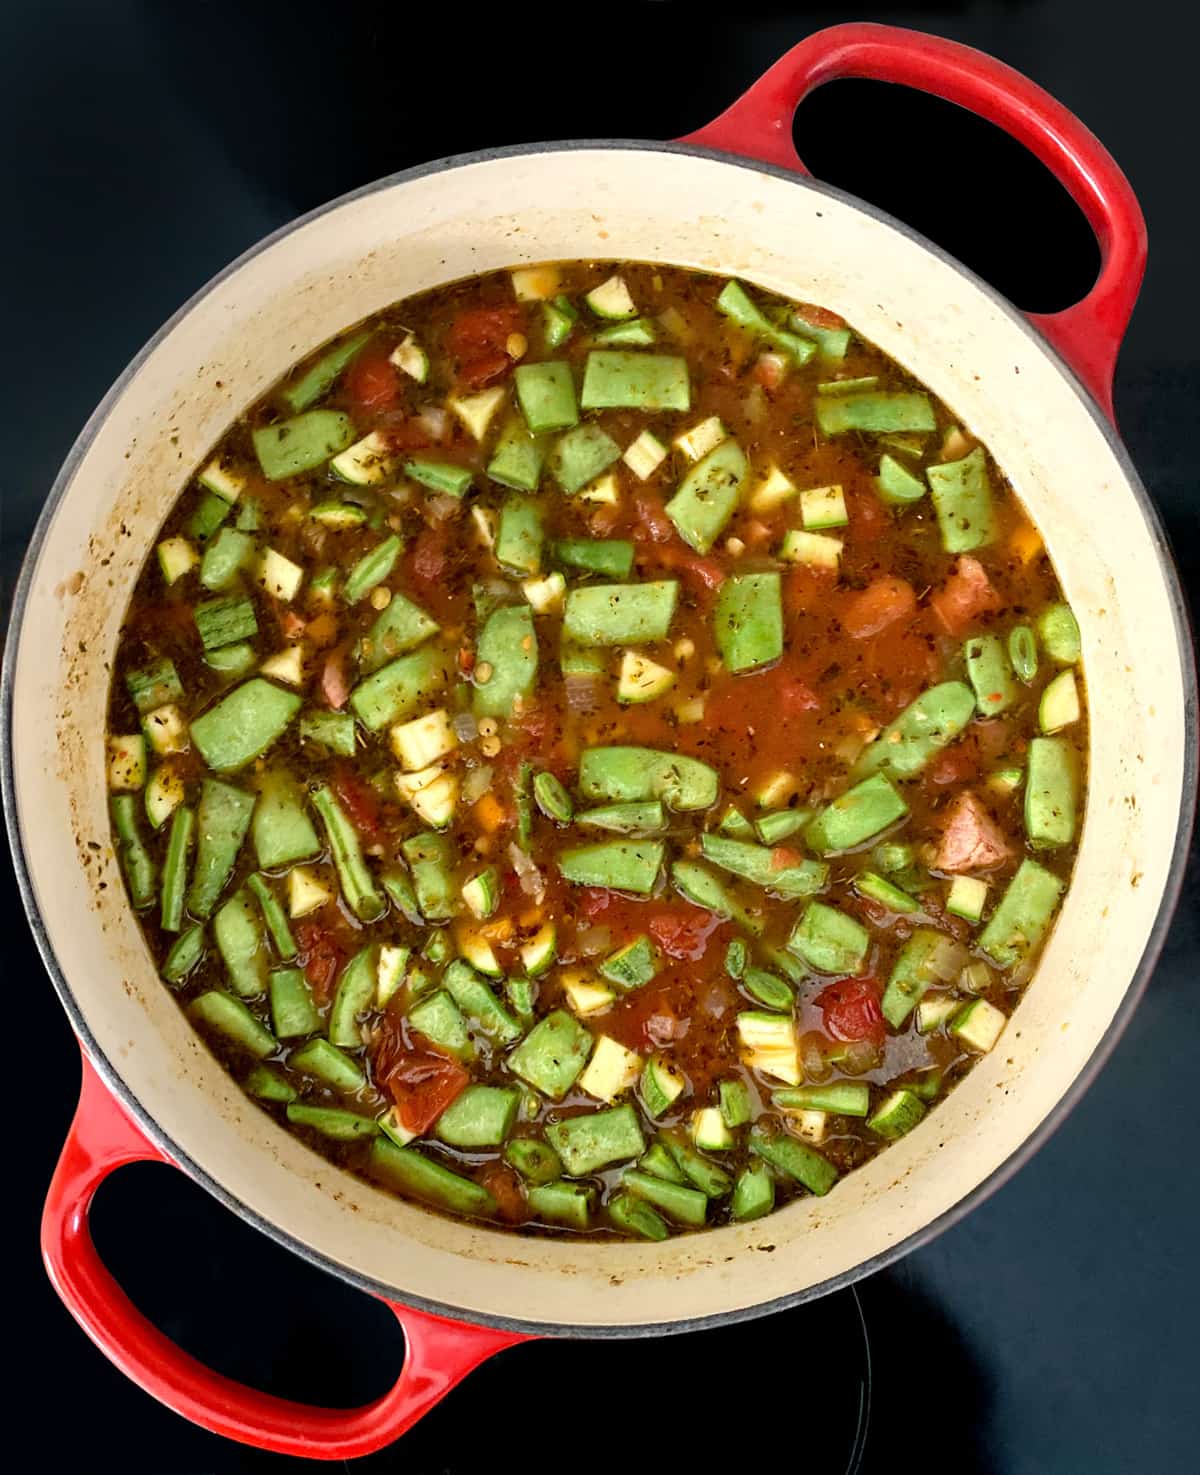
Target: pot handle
[439, 1353]
[759, 126]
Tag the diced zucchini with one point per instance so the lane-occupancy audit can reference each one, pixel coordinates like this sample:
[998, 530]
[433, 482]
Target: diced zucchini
[645, 455]
[586, 996]
[817, 550]
[164, 794]
[611, 300]
[774, 489]
[899, 1114]
[545, 595]
[286, 665]
[632, 965]
[709, 1131]
[176, 557]
[662, 1084]
[389, 972]
[934, 1010]
[432, 792]
[978, 1024]
[535, 283]
[927, 958]
[1059, 706]
[611, 1070]
[770, 1045]
[476, 411]
[306, 892]
[279, 576]
[366, 462]
[482, 893]
[166, 730]
[127, 762]
[1058, 630]
[700, 439]
[966, 898]
[641, 679]
[823, 507]
[539, 953]
[424, 740]
[411, 359]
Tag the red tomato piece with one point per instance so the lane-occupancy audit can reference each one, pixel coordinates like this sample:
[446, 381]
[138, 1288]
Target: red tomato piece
[427, 556]
[851, 1009]
[421, 1082]
[652, 525]
[965, 595]
[484, 369]
[372, 382]
[821, 317]
[868, 516]
[358, 799]
[321, 948]
[879, 605]
[505, 1187]
[683, 931]
[483, 329]
[705, 571]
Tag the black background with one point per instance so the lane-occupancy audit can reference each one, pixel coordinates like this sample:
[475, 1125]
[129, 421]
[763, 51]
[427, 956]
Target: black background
[147, 144]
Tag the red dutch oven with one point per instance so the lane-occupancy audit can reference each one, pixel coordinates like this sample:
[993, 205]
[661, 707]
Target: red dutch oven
[732, 198]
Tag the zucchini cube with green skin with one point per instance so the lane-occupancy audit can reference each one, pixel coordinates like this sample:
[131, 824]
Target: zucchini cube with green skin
[708, 495]
[588, 1143]
[546, 395]
[856, 816]
[552, 1055]
[897, 485]
[748, 621]
[662, 1085]
[480, 1116]
[829, 940]
[632, 965]
[899, 1114]
[1058, 630]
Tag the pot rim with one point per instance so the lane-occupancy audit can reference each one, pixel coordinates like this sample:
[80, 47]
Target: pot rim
[930, 1231]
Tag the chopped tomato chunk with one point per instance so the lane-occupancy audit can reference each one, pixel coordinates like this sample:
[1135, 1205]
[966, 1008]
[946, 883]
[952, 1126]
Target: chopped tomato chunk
[358, 799]
[505, 1187]
[372, 382]
[422, 1083]
[965, 595]
[335, 684]
[705, 571]
[851, 1009]
[877, 606]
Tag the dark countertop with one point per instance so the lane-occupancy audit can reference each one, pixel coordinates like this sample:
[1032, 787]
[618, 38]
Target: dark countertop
[146, 145]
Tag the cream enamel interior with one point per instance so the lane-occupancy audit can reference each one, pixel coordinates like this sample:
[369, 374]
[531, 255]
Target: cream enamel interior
[622, 203]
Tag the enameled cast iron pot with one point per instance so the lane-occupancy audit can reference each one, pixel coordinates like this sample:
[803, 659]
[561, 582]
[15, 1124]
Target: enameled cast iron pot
[732, 199]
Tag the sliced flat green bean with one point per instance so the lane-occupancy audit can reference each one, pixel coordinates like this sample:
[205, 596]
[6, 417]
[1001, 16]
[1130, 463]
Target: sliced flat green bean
[141, 874]
[761, 865]
[921, 731]
[1023, 653]
[371, 569]
[1051, 793]
[274, 916]
[354, 997]
[354, 876]
[405, 1169]
[646, 817]
[705, 889]
[186, 952]
[748, 621]
[175, 866]
[786, 1155]
[990, 673]
[313, 384]
[243, 724]
[829, 940]
[620, 865]
[962, 498]
[708, 495]
[877, 411]
[507, 656]
[223, 817]
[629, 775]
[856, 817]
[620, 614]
[552, 799]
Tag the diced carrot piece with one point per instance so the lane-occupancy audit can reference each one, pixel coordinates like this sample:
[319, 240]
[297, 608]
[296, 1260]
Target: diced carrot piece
[490, 812]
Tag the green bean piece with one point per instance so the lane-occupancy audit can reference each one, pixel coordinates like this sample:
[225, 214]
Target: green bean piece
[269, 1085]
[685, 1205]
[581, 455]
[354, 876]
[396, 690]
[704, 889]
[223, 817]
[326, 1063]
[431, 860]
[372, 569]
[990, 674]
[928, 957]
[748, 621]
[570, 1204]
[877, 411]
[320, 376]
[617, 379]
[304, 441]
[612, 557]
[552, 1054]
[293, 1012]
[1051, 793]
[225, 621]
[536, 1161]
[1023, 916]
[354, 997]
[480, 1116]
[620, 614]
[552, 799]
[635, 1216]
[856, 816]
[922, 730]
[476, 1000]
[757, 863]
[274, 916]
[620, 865]
[174, 879]
[546, 395]
[770, 990]
[281, 829]
[518, 457]
[792, 1158]
[1058, 630]
[644, 818]
[829, 940]
[588, 1143]
[842, 1098]
[141, 874]
[628, 775]
[332, 1121]
[244, 724]
[736, 303]
[224, 1015]
[519, 536]
[736, 1107]
[712, 1180]
[506, 662]
[401, 627]
[708, 495]
[406, 1169]
[962, 498]
[524, 797]
[186, 952]
[898, 487]
[753, 1193]
[1023, 653]
[736, 956]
